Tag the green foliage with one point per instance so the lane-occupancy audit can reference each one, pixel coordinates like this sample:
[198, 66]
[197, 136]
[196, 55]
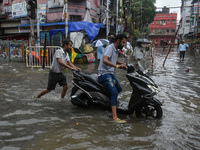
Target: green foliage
[137, 34]
[148, 13]
[194, 41]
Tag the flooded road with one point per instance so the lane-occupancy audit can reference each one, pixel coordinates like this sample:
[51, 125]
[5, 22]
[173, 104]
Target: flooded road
[52, 123]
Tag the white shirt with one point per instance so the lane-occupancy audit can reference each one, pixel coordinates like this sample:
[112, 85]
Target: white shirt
[139, 52]
[56, 67]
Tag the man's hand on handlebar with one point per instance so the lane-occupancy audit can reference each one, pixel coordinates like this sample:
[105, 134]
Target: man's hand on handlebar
[123, 66]
[75, 68]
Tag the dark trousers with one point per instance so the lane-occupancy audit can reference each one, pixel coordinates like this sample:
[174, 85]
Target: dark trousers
[112, 85]
[182, 54]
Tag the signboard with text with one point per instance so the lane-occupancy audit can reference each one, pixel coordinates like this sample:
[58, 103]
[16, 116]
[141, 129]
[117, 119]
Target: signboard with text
[55, 3]
[19, 10]
[42, 13]
[195, 8]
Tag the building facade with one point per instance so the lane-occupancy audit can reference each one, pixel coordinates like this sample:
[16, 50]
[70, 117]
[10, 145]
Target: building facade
[187, 20]
[163, 29]
[13, 14]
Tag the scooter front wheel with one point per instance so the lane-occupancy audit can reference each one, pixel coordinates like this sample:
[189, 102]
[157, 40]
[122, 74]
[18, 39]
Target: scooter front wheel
[149, 110]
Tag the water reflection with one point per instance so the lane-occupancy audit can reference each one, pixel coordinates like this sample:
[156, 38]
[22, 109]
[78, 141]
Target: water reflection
[52, 123]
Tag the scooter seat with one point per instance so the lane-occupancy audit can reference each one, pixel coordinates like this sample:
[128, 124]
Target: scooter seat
[92, 78]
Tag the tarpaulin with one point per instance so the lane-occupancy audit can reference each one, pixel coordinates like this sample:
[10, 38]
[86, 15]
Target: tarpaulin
[76, 38]
[92, 29]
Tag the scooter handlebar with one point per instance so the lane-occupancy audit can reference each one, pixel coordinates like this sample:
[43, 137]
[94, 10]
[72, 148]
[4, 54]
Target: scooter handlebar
[130, 68]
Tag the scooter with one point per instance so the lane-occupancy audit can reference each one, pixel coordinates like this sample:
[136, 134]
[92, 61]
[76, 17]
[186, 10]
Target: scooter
[93, 93]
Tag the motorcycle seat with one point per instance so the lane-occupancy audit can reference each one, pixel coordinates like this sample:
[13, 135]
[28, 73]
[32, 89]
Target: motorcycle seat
[92, 78]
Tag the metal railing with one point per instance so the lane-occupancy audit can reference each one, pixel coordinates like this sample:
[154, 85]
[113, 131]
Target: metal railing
[35, 56]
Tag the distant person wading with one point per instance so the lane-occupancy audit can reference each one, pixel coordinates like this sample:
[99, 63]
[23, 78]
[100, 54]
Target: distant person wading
[182, 48]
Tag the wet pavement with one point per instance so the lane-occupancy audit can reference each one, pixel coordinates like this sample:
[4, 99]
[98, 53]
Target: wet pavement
[52, 123]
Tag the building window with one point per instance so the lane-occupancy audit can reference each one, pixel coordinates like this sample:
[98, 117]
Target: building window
[173, 30]
[167, 31]
[75, 18]
[187, 21]
[168, 21]
[157, 21]
[162, 22]
[173, 21]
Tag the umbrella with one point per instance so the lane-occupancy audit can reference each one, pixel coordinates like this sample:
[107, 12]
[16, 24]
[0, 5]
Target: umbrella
[99, 42]
[143, 40]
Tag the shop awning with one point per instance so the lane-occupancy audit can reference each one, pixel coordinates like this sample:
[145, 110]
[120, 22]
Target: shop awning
[45, 24]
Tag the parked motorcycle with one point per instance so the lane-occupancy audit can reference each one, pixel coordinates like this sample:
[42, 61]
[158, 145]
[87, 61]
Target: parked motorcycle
[142, 100]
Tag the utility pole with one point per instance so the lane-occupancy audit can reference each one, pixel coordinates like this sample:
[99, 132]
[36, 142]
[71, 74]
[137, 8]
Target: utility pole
[32, 32]
[121, 4]
[38, 25]
[117, 16]
[66, 19]
[133, 19]
[107, 19]
[31, 6]
[197, 26]
[101, 10]
[141, 19]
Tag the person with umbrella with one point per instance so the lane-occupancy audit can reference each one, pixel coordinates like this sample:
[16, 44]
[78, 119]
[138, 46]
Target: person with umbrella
[100, 50]
[106, 75]
[138, 53]
[100, 44]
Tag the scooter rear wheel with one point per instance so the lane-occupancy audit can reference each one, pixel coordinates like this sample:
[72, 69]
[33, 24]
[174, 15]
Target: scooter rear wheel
[149, 110]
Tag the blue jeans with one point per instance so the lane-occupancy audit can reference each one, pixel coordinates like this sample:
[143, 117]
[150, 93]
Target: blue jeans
[113, 86]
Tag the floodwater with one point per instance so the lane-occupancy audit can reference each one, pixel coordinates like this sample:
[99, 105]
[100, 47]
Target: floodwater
[51, 123]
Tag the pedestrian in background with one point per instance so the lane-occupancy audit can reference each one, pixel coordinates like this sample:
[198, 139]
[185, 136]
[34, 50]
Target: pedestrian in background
[100, 50]
[61, 61]
[182, 48]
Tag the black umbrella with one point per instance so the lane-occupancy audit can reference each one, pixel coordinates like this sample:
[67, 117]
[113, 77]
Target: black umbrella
[143, 40]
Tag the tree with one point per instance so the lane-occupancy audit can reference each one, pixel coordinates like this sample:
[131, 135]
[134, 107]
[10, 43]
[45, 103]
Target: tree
[132, 13]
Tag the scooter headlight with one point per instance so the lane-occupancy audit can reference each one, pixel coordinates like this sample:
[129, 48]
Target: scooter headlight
[153, 88]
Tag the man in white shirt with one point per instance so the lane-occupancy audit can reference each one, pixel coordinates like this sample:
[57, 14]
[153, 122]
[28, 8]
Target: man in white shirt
[61, 61]
[138, 53]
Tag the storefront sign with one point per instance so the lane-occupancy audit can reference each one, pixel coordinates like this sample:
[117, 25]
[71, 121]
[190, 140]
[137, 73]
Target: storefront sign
[195, 8]
[55, 3]
[42, 13]
[19, 10]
